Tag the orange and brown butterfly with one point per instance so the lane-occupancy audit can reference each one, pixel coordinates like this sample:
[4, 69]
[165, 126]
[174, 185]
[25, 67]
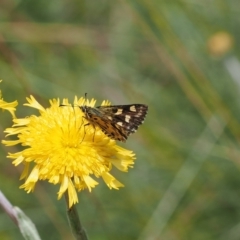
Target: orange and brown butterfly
[116, 121]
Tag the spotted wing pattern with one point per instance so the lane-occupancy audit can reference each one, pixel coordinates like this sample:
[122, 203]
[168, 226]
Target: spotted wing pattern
[117, 121]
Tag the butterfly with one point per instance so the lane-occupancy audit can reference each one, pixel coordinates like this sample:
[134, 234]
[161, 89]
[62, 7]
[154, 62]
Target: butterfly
[116, 121]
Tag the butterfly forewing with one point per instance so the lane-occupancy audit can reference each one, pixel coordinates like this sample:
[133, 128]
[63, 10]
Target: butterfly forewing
[116, 121]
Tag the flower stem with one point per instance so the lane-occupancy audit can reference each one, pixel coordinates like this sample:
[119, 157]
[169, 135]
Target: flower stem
[74, 221]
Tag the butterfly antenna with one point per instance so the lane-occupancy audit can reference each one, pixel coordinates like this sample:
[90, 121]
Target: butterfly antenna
[85, 98]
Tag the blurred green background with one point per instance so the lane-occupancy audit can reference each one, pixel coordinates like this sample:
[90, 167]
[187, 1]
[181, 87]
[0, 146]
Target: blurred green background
[179, 57]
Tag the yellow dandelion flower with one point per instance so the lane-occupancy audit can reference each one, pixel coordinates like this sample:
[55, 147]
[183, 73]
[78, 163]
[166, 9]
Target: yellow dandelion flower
[8, 106]
[61, 148]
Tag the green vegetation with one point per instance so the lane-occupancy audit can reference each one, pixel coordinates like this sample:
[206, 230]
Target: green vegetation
[181, 58]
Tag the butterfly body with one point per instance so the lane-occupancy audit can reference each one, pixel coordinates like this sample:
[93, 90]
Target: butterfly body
[117, 121]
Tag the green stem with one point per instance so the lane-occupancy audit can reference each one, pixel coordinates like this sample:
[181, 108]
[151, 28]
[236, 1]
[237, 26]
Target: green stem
[74, 221]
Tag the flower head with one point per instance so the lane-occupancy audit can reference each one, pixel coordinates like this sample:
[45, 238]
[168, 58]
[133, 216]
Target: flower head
[8, 106]
[62, 148]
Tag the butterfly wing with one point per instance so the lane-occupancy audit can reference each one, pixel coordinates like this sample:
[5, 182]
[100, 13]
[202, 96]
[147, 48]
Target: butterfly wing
[124, 119]
[110, 128]
[117, 121]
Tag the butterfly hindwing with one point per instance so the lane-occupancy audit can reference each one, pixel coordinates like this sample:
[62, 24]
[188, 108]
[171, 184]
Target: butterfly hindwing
[112, 130]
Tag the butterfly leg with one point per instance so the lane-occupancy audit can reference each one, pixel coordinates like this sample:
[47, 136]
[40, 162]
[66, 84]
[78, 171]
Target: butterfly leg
[94, 132]
[84, 132]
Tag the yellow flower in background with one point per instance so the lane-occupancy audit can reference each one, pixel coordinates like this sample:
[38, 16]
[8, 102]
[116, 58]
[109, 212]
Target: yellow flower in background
[8, 106]
[62, 149]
